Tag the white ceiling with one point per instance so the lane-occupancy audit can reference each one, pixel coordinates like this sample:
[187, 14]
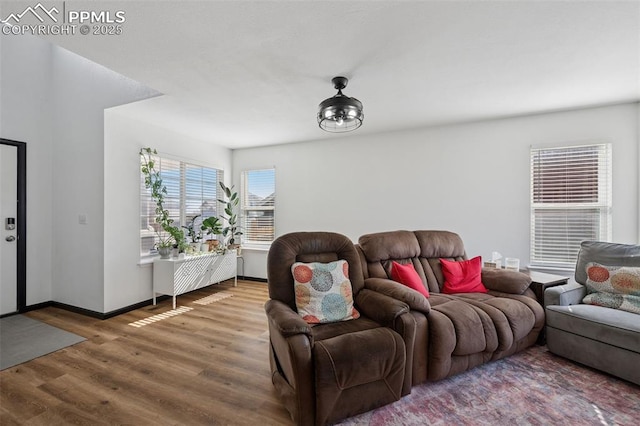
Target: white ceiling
[243, 74]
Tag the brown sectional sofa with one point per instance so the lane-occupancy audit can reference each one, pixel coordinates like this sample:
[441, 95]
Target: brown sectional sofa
[454, 333]
[326, 372]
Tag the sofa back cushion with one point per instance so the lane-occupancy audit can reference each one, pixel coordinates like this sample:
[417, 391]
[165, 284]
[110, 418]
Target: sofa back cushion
[435, 245]
[423, 249]
[379, 250]
[608, 254]
[323, 247]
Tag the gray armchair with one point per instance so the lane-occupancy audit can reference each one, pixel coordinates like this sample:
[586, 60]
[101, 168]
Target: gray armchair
[603, 338]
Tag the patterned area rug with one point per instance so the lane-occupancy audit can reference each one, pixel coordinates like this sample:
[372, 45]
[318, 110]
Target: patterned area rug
[533, 387]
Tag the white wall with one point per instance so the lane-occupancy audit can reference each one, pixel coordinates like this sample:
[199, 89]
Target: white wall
[54, 100]
[126, 282]
[472, 179]
[82, 90]
[25, 115]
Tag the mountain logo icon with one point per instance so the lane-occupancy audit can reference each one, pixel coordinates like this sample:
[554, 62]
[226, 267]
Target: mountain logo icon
[39, 11]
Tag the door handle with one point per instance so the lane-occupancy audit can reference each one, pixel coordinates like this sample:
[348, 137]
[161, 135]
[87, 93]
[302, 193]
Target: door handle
[10, 238]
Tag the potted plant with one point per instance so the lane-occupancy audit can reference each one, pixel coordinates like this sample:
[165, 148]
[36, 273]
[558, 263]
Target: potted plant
[194, 233]
[232, 230]
[164, 245]
[212, 226]
[180, 242]
[172, 236]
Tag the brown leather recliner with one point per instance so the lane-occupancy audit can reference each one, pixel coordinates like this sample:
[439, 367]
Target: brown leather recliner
[327, 372]
[454, 332]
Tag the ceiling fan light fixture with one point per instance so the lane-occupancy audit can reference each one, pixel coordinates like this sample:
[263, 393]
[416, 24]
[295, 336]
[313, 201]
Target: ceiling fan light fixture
[340, 113]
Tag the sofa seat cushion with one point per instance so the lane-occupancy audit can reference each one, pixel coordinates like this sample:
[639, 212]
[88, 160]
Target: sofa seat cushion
[611, 326]
[485, 323]
[474, 330]
[330, 330]
[436, 299]
[513, 319]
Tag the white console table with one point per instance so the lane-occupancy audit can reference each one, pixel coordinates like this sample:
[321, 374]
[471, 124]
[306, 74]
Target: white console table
[178, 276]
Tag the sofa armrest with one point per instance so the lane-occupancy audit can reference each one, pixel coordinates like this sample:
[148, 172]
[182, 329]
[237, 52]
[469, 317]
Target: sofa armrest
[415, 300]
[285, 320]
[565, 295]
[379, 307]
[502, 280]
[291, 347]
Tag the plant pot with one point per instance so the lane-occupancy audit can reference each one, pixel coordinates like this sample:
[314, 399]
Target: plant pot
[213, 244]
[204, 247]
[195, 246]
[165, 252]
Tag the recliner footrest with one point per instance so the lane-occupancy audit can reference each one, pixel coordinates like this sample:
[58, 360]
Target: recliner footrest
[357, 372]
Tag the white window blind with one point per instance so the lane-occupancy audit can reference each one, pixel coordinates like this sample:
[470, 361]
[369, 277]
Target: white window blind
[192, 191]
[258, 206]
[570, 201]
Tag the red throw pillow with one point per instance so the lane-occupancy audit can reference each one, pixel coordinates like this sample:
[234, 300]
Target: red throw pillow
[407, 275]
[463, 276]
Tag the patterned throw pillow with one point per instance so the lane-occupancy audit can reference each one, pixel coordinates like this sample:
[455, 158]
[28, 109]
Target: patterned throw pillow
[323, 292]
[615, 287]
[624, 302]
[613, 279]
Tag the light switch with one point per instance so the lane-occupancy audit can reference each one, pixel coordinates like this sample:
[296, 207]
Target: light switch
[82, 219]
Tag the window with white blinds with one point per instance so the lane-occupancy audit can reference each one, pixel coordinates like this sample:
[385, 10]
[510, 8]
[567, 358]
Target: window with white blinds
[258, 206]
[570, 201]
[192, 191]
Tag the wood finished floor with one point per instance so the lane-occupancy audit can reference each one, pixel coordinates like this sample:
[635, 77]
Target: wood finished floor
[207, 366]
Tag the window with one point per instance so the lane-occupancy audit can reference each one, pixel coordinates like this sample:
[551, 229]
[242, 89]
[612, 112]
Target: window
[570, 201]
[192, 191]
[258, 206]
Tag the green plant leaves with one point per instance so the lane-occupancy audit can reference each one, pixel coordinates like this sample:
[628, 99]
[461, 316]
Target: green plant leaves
[153, 181]
[230, 204]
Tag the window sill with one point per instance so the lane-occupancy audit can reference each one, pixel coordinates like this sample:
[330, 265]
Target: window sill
[256, 248]
[148, 260]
